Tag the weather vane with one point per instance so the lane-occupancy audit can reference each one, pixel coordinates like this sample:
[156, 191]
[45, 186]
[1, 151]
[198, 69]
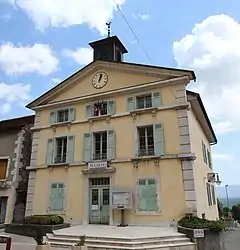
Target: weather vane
[109, 28]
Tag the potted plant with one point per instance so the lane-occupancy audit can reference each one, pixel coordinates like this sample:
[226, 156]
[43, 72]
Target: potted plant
[41, 244]
[80, 245]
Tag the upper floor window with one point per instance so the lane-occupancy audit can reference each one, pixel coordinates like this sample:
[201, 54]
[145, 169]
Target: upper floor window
[60, 150]
[100, 145]
[146, 141]
[100, 108]
[204, 152]
[209, 159]
[144, 101]
[211, 194]
[62, 115]
[150, 140]
[3, 168]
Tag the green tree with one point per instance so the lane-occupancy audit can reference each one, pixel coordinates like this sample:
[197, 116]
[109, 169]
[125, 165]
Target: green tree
[226, 210]
[236, 212]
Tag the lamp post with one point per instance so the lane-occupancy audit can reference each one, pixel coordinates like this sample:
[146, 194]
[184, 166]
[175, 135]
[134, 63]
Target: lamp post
[226, 188]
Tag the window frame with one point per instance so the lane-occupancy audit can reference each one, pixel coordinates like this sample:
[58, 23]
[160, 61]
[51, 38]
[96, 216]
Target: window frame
[7, 167]
[146, 95]
[57, 115]
[158, 191]
[94, 144]
[55, 149]
[146, 140]
[211, 194]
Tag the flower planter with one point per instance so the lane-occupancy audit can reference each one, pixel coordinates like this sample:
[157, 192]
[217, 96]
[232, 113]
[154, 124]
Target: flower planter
[43, 247]
[79, 247]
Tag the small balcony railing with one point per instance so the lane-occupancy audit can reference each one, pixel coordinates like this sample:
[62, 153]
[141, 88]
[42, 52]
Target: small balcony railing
[60, 159]
[100, 156]
[146, 152]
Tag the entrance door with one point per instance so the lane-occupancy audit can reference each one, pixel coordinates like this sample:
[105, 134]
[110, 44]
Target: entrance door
[3, 209]
[99, 201]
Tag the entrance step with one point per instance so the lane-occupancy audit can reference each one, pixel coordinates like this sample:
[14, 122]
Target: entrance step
[172, 242]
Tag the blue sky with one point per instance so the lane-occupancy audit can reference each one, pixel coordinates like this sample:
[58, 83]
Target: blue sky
[44, 41]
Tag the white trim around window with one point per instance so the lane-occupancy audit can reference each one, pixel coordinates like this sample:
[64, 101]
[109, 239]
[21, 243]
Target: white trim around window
[8, 166]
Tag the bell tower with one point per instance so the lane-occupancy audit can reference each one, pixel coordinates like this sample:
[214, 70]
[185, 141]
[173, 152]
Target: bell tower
[108, 49]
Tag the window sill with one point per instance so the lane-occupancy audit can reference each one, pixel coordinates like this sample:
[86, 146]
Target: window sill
[60, 124]
[144, 158]
[152, 110]
[148, 213]
[58, 165]
[100, 117]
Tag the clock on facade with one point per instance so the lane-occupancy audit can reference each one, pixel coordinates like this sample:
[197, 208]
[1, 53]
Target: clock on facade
[99, 80]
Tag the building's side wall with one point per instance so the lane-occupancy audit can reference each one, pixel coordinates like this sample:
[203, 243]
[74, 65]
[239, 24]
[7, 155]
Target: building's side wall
[201, 169]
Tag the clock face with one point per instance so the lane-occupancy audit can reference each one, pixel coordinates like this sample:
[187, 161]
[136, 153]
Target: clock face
[99, 80]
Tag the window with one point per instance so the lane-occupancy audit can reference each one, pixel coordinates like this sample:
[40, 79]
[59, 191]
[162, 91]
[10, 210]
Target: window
[62, 115]
[100, 108]
[213, 195]
[209, 159]
[100, 145]
[146, 141]
[144, 101]
[61, 150]
[3, 168]
[57, 199]
[209, 195]
[204, 152]
[147, 195]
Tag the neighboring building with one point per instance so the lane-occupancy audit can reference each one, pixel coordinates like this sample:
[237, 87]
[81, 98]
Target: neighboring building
[15, 151]
[118, 133]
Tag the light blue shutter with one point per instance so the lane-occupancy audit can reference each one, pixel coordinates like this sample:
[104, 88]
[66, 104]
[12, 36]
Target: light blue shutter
[130, 104]
[151, 195]
[156, 99]
[159, 139]
[111, 142]
[87, 146]
[52, 118]
[61, 197]
[88, 111]
[70, 149]
[111, 107]
[72, 114]
[49, 154]
[53, 197]
[142, 202]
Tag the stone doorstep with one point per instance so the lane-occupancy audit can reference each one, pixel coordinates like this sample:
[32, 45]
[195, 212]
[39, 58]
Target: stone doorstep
[173, 246]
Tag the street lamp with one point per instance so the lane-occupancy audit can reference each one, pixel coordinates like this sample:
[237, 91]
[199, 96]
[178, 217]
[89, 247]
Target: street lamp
[226, 188]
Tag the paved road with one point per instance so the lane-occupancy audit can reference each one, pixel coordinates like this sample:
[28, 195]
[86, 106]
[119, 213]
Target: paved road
[232, 240]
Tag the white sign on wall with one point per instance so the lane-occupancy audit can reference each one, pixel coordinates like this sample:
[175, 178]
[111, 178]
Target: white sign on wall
[121, 199]
[95, 165]
[198, 233]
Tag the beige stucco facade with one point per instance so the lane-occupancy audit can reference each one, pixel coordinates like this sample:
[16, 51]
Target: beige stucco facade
[179, 173]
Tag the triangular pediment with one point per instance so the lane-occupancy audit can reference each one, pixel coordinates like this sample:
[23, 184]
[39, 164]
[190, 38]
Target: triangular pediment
[119, 75]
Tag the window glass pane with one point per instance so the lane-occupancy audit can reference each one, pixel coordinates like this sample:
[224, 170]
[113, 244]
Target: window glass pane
[142, 182]
[148, 100]
[105, 196]
[95, 196]
[140, 102]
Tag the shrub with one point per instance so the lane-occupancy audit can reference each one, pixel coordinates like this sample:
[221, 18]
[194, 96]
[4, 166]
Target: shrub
[44, 220]
[81, 241]
[198, 223]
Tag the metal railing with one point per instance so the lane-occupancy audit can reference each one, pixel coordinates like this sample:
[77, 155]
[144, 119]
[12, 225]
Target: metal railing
[60, 159]
[146, 152]
[100, 156]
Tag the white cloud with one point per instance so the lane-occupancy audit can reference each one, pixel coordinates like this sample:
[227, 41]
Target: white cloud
[64, 13]
[13, 94]
[142, 16]
[82, 56]
[55, 81]
[212, 50]
[222, 157]
[37, 58]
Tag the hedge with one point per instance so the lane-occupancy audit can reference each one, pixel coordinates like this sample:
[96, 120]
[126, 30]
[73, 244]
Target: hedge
[198, 223]
[44, 220]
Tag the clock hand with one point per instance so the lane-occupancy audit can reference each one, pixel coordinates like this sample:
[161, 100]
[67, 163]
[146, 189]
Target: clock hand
[100, 77]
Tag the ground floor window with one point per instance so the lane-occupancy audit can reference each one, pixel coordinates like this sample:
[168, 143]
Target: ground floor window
[57, 197]
[147, 195]
[211, 194]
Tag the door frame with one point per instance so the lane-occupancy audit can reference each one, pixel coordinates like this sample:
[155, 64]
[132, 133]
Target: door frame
[87, 194]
